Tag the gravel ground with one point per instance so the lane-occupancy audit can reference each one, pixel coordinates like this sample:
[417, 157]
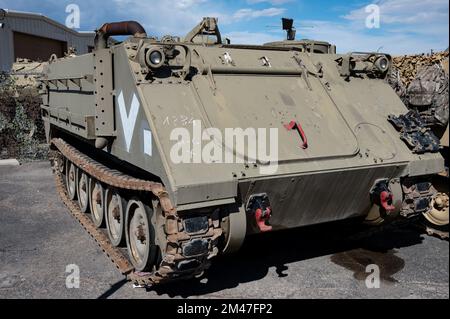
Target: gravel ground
[38, 239]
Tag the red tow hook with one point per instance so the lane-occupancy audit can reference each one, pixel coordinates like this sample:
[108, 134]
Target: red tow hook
[296, 125]
[259, 205]
[386, 200]
[261, 218]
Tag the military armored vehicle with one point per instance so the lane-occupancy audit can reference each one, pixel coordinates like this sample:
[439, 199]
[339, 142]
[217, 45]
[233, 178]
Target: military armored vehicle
[26, 73]
[345, 144]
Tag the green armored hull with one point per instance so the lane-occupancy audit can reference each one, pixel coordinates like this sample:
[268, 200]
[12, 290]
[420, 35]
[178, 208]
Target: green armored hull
[239, 139]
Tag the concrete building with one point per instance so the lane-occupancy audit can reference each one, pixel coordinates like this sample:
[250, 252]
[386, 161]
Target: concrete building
[36, 37]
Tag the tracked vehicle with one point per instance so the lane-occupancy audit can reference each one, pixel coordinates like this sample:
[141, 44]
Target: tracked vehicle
[346, 145]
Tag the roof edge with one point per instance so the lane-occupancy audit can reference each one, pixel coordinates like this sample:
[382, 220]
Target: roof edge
[39, 16]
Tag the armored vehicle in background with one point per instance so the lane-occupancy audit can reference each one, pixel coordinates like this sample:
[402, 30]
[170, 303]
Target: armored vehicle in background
[118, 122]
[26, 73]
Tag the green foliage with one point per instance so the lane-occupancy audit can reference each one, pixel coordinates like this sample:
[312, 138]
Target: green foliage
[21, 128]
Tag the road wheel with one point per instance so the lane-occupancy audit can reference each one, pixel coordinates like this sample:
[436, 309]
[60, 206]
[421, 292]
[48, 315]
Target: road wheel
[71, 183]
[61, 165]
[375, 218]
[83, 190]
[97, 201]
[115, 216]
[140, 235]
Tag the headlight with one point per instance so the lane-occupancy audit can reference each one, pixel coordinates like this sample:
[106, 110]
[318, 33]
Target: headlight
[155, 58]
[382, 64]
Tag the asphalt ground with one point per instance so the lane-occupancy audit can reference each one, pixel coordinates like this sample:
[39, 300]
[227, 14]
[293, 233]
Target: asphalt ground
[39, 239]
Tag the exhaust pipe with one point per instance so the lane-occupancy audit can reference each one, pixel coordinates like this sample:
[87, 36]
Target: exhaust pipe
[118, 28]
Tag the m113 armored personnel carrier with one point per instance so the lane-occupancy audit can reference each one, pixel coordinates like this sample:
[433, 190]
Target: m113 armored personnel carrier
[345, 145]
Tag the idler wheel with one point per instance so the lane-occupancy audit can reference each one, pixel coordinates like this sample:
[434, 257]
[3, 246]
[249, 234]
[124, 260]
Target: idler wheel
[438, 213]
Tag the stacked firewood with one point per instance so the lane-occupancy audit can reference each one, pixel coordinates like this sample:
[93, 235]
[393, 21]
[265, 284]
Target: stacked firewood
[409, 65]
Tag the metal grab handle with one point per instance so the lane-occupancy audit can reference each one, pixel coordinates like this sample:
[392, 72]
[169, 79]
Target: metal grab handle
[298, 127]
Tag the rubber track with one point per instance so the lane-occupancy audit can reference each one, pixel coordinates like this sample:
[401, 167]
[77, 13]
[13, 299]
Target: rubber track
[169, 268]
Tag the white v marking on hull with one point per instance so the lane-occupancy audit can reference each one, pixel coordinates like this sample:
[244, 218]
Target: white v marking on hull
[128, 121]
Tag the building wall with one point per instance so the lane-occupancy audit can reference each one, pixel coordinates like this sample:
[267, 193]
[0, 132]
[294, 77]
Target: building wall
[37, 48]
[41, 26]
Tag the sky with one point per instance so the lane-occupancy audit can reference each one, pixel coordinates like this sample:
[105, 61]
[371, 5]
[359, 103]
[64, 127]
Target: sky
[405, 26]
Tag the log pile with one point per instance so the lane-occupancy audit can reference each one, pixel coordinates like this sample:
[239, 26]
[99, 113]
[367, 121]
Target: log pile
[409, 65]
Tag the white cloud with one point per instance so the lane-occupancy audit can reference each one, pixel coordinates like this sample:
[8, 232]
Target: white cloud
[177, 18]
[417, 15]
[348, 39]
[245, 37]
[252, 14]
[186, 4]
[167, 16]
[406, 11]
[272, 2]
[407, 26]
